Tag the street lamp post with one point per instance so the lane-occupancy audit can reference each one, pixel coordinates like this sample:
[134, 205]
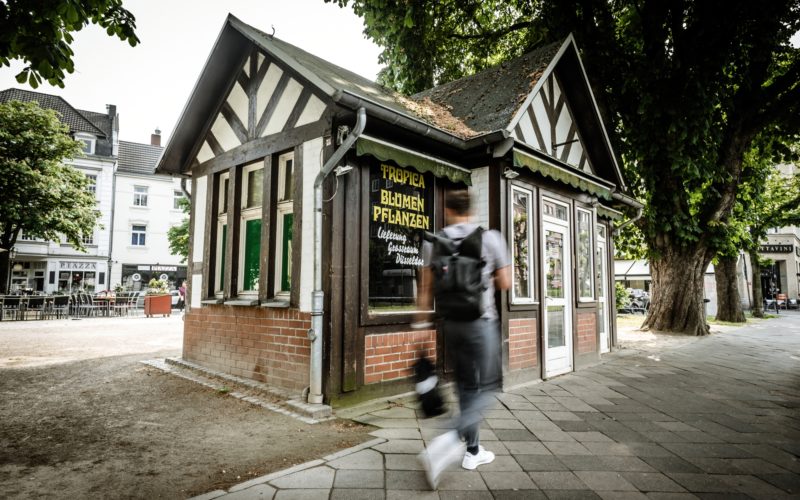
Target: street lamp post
[12, 254]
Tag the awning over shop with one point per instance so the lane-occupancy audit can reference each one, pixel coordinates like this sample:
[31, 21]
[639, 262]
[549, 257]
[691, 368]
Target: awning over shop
[561, 174]
[405, 157]
[609, 213]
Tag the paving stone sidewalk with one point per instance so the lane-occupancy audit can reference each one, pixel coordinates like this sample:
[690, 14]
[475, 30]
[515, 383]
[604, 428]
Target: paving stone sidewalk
[715, 418]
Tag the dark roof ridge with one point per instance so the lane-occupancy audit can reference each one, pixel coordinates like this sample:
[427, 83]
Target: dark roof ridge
[58, 97]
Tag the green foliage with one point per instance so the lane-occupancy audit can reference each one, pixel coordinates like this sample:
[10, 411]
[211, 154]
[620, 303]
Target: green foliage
[157, 287]
[622, 299]
[629, 243]
[40, 33]
[178, 236]
[41, 197]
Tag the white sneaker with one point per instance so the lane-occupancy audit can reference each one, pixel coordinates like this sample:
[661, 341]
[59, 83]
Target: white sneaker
[471, 462]
[442, 451]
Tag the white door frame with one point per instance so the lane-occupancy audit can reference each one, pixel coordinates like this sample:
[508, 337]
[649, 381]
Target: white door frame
[603, 285]
[558, 359]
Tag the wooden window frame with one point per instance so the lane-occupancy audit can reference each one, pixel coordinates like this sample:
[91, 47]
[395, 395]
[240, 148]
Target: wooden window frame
[591, 249]
[531, 246]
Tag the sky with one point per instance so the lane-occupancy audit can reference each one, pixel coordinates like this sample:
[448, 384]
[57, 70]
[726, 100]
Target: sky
[151, 82]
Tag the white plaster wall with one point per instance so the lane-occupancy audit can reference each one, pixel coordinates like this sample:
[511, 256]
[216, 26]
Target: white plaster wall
[158, 216]
[199, 226]
[480, 196]
[311, 167]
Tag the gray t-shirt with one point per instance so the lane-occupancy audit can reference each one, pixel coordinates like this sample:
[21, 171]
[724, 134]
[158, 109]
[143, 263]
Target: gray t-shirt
[494, 253]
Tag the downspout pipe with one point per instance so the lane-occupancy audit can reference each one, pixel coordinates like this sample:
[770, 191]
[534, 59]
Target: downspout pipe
[630, 202]
[318, 296]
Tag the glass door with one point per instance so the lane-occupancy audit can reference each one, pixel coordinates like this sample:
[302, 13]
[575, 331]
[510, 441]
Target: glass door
[558, 300]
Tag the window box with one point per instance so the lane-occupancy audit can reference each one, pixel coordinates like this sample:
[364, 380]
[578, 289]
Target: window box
[157, 305]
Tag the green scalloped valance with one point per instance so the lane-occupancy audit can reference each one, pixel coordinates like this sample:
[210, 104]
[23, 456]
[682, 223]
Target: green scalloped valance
[408, 158]
[561, 175]
[608, 213]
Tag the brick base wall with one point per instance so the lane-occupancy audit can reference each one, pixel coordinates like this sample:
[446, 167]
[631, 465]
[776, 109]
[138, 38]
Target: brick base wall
[522, 344]
[264, 344]
[587, 332]
[391, 356]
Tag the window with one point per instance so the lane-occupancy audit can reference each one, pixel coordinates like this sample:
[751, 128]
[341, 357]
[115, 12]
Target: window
[400, 211]
[88, 142]
[284, 224]
[555, 210]
[88, 239]
[585, 255]
[250, 228]
[521, 246]
[140, 196]
[91, 184]
[138, 235]
[177, 196]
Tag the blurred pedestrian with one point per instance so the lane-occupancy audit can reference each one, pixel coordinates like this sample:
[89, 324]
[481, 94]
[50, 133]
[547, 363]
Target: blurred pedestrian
[473, 342]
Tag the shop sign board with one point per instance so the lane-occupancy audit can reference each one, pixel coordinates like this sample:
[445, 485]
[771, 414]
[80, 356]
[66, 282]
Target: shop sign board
[400, 211]
[144, 267]
[776, 249]
[77, 265]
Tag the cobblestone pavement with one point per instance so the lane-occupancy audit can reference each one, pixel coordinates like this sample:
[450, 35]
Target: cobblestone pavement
[715, 418]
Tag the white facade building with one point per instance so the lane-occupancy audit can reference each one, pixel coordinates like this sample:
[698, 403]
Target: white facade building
[145, 208]
[46, 266]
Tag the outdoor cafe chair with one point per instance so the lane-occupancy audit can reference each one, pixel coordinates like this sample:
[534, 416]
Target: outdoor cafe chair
[11, 307]
[121, 304]
[35, 305]
[133, 303]
[87, 307]
[59, 306]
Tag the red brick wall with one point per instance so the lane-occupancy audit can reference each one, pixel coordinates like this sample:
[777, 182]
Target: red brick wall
[390, 356]
[587, 332]
[264, 344]
[522, 344]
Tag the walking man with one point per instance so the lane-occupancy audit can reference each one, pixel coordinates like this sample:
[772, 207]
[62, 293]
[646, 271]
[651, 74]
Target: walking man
[473, 344]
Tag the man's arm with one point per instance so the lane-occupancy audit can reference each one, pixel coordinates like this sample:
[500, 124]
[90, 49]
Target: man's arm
[502, 278]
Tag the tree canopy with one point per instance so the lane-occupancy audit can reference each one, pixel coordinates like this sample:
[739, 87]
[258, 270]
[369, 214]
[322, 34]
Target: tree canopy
[685, 87]
[40, 33]
[42, 197]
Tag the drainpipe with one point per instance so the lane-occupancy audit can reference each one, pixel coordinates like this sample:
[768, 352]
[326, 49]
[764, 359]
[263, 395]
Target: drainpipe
[318, 296]
[628, 201]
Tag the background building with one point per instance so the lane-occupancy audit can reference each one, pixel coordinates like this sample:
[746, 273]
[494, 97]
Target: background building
[48, 266]
[146, 205]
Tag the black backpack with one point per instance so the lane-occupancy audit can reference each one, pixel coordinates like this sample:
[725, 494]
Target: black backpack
[457, 267]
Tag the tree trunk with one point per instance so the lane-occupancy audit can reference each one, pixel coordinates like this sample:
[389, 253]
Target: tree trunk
[758, 300]
[4, 278]
[729, 304]
[677, 295]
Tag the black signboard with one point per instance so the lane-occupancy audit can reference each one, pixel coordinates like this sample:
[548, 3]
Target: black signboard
[775, 248]
[400, 211]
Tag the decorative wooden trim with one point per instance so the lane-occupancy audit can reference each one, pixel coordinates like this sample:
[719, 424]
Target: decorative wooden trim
[243, 80]
[264, 292]
[236, 125]
[299, 106]
[210, 246]
[263, 146]
[272, 236]
[221, 98]
[252, 91]
[573, 131]
[231, 285]
[536, 130]
[273, 102]
[297, 225]
[583, 161]
[518, 132]
[214, 144]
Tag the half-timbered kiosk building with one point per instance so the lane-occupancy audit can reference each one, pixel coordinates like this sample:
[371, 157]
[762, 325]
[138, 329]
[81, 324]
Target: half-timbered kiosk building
[312, 187]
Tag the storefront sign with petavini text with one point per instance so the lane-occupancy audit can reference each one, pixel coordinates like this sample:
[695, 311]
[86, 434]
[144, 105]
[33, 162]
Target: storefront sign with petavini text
[775, 248]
